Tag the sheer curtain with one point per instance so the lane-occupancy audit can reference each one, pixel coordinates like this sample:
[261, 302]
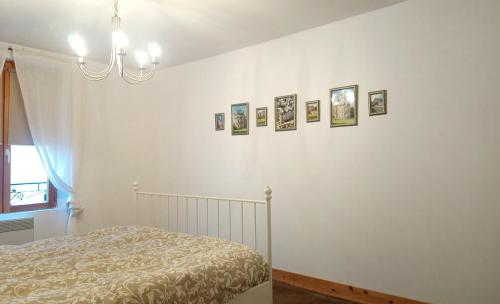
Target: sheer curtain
[47, 90]
[2, 61]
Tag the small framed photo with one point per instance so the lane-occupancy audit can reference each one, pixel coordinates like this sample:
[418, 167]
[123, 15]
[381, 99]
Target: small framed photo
[377, 102]
[285, 113]
[312, 111]
[261, 116]
[239, 119]
[344, 106]
[219, 121]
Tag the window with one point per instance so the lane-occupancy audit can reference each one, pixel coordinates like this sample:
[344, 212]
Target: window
[24, 183]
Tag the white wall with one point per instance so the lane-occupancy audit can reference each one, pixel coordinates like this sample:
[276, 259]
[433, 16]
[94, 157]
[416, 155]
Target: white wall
[406, 203]
[117, 146]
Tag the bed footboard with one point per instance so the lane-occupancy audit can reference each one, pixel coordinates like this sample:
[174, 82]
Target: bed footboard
[235, 219]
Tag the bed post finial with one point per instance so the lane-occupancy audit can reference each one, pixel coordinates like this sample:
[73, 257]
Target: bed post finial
[135, 186]
[268, 193]
[268, 197]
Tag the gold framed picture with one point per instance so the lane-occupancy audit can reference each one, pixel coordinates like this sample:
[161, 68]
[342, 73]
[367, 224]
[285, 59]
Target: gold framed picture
[344, 106]
[312, 111]
[285, 112]
[261, 117]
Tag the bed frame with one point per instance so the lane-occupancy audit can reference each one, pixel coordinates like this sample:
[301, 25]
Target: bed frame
[160, 203]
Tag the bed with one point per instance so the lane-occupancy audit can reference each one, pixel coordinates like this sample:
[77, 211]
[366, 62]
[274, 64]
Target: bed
[143, 264]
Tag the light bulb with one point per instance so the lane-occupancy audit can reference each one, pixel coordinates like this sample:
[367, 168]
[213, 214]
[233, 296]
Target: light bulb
[141, 57]
[120, 40]
[78, 45]
[155, 51]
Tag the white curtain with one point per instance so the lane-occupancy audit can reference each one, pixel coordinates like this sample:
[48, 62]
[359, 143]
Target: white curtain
[47, 90]
[2, 61]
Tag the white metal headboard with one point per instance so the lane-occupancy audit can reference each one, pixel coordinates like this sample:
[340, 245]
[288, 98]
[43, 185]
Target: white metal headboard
[143, 198]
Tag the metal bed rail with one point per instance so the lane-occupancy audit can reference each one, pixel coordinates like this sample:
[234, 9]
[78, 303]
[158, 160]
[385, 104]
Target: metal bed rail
[161, 202]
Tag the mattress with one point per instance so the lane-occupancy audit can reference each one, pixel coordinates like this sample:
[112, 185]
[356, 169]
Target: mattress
[129, 265]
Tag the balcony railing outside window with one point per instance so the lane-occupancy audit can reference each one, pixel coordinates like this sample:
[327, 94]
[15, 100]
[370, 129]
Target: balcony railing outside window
[29, 182]
[28, 193]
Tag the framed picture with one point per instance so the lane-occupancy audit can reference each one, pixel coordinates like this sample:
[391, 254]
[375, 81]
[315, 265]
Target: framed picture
[219, 121]
[312, 111]
[239, 119]
[285, 113]
[377, 102]
[344, 106]
[261, 116]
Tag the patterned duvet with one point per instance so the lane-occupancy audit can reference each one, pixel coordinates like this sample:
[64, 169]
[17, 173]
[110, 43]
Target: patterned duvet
[128, 265]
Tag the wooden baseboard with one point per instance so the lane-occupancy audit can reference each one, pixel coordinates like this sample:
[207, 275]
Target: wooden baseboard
[338, 290]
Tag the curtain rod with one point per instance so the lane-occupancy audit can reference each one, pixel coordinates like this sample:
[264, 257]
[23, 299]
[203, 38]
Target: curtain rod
[11, 47]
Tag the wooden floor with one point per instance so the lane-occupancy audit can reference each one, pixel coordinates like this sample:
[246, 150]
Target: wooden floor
[286, 294]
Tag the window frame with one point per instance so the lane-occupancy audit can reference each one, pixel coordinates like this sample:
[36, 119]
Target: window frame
[5, 168]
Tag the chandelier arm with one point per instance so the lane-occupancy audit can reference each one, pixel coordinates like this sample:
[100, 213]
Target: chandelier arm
[136, 77]
[130, 77]
[135, 80]
[99, 75]
[145, 78]
[89, 77]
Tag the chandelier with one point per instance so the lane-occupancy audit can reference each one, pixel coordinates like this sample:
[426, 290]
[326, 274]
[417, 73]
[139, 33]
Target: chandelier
[118, 53]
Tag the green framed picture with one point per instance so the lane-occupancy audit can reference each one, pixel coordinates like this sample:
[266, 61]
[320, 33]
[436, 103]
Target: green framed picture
[219, 121]
[240, 119]
[344, 106]
[377, 102]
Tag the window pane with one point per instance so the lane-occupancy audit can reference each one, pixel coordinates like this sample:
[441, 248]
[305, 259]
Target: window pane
[29, 182]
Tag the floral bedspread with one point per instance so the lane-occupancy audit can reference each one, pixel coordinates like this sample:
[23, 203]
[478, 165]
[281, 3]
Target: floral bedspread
[128, 265]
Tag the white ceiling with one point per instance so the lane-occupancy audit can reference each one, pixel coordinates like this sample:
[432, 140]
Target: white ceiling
[186, 30]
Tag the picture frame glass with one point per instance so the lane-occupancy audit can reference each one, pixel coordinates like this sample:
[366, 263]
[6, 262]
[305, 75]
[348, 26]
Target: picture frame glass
[240, 119]
[344, 106]
[285, 113]
[219, 122]
[377, 102]
[261, 117]
[312, 111]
